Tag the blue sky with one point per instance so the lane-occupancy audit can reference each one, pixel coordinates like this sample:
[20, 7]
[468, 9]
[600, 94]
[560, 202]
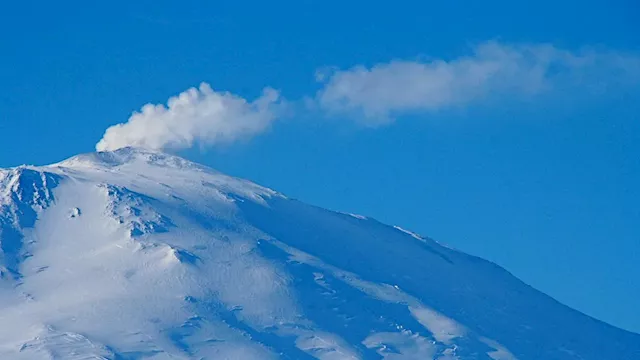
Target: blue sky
[538, 173]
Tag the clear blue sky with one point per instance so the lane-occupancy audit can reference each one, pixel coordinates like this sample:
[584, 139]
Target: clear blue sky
[548, 188]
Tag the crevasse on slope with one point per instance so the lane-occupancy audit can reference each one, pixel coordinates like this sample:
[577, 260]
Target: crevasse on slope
[140, 255]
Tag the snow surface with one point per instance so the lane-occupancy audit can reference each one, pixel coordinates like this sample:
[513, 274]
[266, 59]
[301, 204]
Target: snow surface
[134, 254]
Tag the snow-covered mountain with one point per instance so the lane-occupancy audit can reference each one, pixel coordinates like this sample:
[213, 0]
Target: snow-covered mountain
[135, 254]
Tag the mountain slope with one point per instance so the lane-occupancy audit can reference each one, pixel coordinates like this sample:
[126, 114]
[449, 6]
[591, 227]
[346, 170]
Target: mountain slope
[141, 255]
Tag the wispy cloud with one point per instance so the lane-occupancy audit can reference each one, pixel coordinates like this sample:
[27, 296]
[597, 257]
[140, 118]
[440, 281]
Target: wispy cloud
[376, 94]
[196, 116]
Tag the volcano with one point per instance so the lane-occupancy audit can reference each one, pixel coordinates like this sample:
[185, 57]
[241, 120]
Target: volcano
[137, 254]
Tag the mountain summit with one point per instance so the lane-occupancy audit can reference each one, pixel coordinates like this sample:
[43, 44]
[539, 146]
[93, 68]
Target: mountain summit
[135, 254]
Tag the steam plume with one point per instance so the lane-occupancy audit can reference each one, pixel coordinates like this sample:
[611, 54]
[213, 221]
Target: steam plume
[197, 115]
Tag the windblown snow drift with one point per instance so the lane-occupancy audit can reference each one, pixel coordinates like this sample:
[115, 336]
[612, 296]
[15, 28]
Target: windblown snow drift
[134, 254]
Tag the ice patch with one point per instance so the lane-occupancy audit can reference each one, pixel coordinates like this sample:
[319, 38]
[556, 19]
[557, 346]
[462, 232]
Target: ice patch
[63, 345]
[175, 254]
[499, 352]
[401, 345]
[414, 235]
[324, 346]
[443, 328]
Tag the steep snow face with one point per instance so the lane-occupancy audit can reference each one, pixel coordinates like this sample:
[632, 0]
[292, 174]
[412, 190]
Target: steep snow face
[23, 192]
[142, 255]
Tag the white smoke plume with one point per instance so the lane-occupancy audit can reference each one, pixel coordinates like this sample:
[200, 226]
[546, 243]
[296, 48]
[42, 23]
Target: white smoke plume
[196, 116]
